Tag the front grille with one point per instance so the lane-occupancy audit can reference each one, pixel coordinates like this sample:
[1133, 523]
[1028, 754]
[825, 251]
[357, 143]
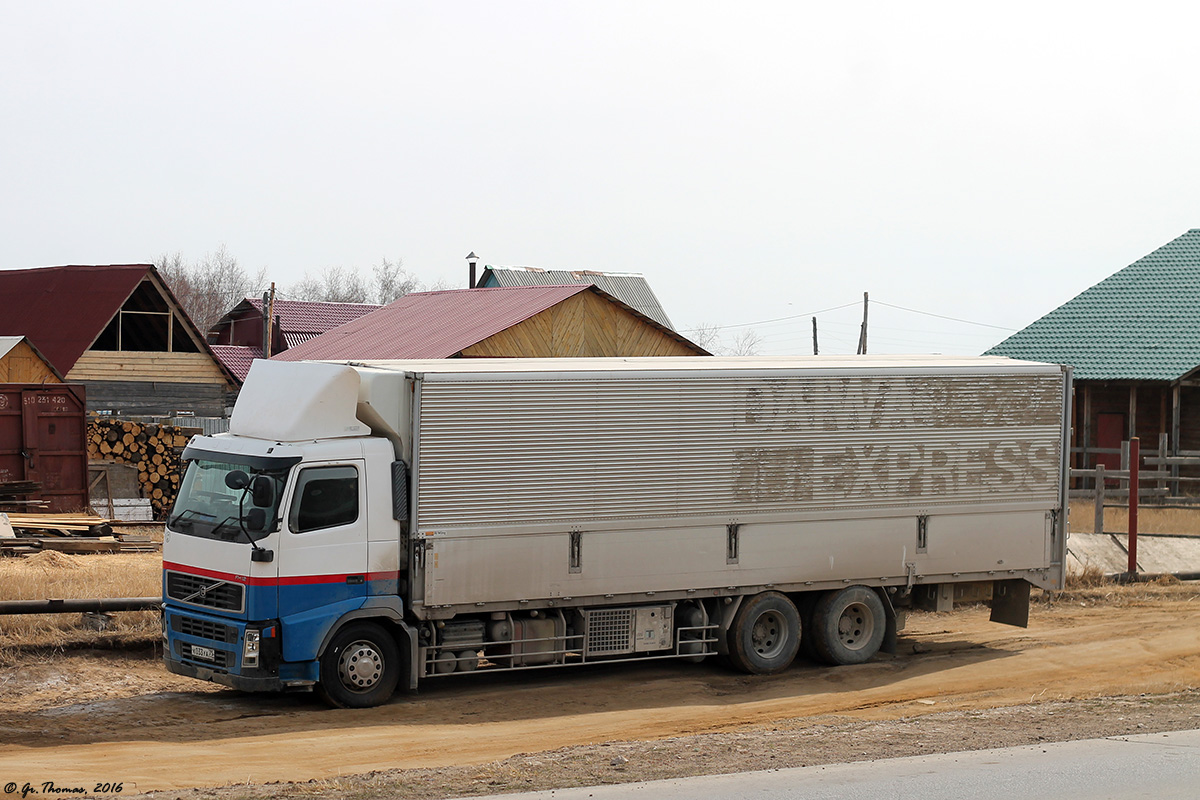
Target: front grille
[609, 631]
[204, 629]
[208, 592]
[223, 658]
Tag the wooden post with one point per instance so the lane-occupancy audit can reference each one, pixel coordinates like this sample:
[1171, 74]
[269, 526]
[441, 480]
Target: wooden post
[1098, 525]
[1087, 427]
[1176, 399]
[1161, 484]
[1133, 431]
[815, 336]
[1134, 458]
[862, 334]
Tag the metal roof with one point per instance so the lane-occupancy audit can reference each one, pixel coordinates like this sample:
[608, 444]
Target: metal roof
[63, 309]
[630, 288]
[236, 358]
[808, 365]
[431, 324]
[1142, 323]
[306, 316]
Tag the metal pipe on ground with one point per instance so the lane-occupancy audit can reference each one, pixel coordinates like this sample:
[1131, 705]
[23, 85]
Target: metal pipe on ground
[1149, 577]
[76, 606]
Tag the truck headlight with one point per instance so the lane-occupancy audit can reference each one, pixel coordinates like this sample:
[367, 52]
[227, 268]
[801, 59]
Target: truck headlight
[250, 648]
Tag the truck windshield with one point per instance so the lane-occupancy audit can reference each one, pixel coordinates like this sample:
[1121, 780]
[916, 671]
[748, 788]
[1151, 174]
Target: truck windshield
[207, 506]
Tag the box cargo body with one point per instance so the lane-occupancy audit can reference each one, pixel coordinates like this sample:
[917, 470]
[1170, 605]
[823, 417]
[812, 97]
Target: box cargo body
[42, 439]
[813, 474]
[505, 514]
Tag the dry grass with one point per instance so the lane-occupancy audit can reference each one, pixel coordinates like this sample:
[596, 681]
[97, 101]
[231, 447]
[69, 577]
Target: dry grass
[1150, 519]
[1089, 577]
[50, 574]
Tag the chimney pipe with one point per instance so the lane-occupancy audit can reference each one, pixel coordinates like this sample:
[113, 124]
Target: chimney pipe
[471, 260]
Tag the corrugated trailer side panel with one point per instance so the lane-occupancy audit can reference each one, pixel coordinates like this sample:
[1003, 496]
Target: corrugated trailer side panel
[824, 476]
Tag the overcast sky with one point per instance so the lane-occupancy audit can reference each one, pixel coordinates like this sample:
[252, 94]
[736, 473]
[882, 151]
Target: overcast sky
[756, 161]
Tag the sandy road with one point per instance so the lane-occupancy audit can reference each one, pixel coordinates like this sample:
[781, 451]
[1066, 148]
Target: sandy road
[90, 719]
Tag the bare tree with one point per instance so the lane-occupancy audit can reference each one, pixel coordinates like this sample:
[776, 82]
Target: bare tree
[389, 280]
[209, 288]
[392, 281]
[332, 285]
[708, 336]
[746, 343]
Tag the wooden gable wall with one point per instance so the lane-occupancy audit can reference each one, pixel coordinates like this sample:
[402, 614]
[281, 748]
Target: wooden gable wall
[582, 326]
[162, 373]
[22, 364]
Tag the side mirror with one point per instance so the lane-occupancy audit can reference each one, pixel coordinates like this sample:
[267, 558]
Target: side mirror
[237, 480]
[256, 519]
[262, 491]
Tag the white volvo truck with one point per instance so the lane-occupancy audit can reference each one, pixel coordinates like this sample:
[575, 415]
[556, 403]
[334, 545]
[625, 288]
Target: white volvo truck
[364, 526]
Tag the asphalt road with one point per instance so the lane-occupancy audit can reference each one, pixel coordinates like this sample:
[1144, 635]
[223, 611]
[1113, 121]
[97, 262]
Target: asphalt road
[1158, 765]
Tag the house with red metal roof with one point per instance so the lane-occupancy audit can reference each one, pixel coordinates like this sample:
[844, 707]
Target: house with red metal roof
[580, 320]
[237, 338]
[119, 331]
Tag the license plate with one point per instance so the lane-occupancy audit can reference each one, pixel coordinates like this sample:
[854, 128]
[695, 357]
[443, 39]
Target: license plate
[206, 653]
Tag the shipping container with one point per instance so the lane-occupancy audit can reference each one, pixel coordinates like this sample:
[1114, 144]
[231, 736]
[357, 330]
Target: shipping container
[43, 439]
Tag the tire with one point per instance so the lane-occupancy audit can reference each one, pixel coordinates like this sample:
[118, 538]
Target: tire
[765, 634]
[848, 625]
[360, 668]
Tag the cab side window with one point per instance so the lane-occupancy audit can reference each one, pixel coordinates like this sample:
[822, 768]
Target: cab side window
[326, 497]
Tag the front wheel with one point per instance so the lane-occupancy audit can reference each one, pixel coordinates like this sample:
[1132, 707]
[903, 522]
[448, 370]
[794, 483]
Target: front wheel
[765, 634]
[848, 625]
[360, 668]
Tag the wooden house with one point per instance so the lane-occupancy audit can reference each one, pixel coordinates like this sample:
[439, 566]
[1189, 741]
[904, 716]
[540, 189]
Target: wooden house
[579, 320]
[1134, 342]
[120, 332]
[22, 362]
[237, 338]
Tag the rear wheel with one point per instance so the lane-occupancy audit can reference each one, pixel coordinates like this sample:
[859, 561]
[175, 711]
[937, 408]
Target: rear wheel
[848, 625]
[360, 667]
[765, 634]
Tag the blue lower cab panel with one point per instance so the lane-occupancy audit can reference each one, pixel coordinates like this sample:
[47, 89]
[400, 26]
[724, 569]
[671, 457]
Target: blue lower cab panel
[204, 639]
[304, 632]
[211, 647]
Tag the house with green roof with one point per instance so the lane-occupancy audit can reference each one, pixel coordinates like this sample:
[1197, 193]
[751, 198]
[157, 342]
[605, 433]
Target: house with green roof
[1134, 342]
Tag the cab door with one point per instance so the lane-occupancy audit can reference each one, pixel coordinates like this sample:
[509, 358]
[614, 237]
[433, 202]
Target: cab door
[323, 553]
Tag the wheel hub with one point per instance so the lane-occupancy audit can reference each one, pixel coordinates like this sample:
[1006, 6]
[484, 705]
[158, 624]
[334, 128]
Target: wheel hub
[360, 666]
[855, 626]
[767, 635]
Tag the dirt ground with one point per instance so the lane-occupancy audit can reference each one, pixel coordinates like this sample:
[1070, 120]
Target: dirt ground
[1097, 662]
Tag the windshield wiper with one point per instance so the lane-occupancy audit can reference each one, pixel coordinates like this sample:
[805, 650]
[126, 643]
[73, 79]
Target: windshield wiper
[183, 517]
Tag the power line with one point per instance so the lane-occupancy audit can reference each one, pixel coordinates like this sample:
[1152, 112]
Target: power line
[778, 319]
[940, 316]
[851, 305]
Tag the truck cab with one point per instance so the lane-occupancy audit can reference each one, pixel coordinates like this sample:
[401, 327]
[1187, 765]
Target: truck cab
[270, 546]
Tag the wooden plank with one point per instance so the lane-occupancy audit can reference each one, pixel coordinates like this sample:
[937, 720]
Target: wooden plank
[124, 365]
[80, 545]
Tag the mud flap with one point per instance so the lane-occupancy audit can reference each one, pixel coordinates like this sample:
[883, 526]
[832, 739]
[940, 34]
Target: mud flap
[891, 631]
[1010, 603]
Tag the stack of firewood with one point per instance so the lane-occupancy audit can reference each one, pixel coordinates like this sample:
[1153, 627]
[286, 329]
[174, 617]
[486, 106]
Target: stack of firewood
[153, 449]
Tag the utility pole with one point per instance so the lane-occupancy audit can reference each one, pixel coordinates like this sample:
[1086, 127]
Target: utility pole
[815, 336]
[268, 316]
[862, 335]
